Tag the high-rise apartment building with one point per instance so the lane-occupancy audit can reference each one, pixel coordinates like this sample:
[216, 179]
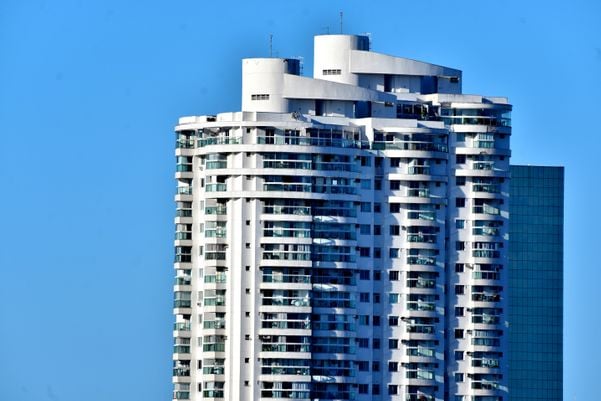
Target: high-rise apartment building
[535, 285]
[344, 237]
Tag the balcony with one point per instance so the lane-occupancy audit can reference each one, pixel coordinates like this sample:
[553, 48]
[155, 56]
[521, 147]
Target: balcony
[418, 192]
[287, 278]
[488, 188]
[181, 326]
[403, 145]
[214, 165]
[216, 210]
[218, 187]
[418, 170]
[421, 215]
[219, 140]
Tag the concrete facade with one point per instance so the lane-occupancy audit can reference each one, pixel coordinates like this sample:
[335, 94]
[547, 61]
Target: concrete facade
[344, 236]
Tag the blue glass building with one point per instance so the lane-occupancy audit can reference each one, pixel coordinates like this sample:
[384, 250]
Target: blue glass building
[536, 283]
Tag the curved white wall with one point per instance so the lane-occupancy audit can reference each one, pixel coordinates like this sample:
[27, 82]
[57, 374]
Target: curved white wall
[333, 52]
[264, 76]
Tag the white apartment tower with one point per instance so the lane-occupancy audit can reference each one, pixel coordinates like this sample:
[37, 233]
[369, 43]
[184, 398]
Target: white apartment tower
[343, 237]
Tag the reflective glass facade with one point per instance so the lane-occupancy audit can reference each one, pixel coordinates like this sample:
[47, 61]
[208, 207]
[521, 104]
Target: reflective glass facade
[536, 283]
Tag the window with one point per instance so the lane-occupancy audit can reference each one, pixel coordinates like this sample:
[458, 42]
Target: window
[335, 71]
[459, 245]
[362, 366]
[365, 207]
[459, 202]
[392, 388]
[459, 224]
[378, 185]
[364, 297]
[261, 96]
[393, 275]
[378, 205]
[363, 251]
[364, 229]
[376, 297]
[393, 320]
[364, 275]
[362, 342]
[375, 367]
[377, 229]
[458, 311]
[458, 333]
[395, 185]
[365, 184]
[395, 229]
[364, 320]
[458, 267]
[393, 298]
[395, 207]
[460, 159]
[393, 253]
[458, 355]
[376, 322]
[377, 253]
[460, 136]
[377, 275]
[363, 388]
[393, 343]
[375, 389]
[376, 342]
[458, 377]
[459, 289]
[395, 161]
[460, 181]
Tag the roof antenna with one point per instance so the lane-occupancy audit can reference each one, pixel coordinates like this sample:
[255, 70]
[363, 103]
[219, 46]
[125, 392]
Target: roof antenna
[271, 45]
[341, 22]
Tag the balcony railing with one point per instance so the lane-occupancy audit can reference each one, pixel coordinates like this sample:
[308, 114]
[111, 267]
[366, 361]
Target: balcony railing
[219, 140]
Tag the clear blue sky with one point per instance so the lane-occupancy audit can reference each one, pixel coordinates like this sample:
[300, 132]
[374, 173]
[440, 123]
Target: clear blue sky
[90, 92]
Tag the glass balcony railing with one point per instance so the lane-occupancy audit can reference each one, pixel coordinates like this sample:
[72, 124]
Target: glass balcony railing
[184, 191]
[481, 120]
[212, 165]
[423, 170]
[181, 349]
[421, 215]
[181, 326]
[213, 370]
[219, 187]
[285, 347]
[181, 235]
[183, 168]
[308, 141]
[286, 278]
[418, 192]
[182, 303]
[424, 238]
[184, 143]
[219, 140]
[181, 395]
[404, 145]
[420, 351]
[183, 213]
[489, 188]
[486, 209]
[294, 210]
[215, 278]
[488, 231]
[419, 328]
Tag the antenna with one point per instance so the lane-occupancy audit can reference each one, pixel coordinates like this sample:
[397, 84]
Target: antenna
[271, 45]
[341, 15]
